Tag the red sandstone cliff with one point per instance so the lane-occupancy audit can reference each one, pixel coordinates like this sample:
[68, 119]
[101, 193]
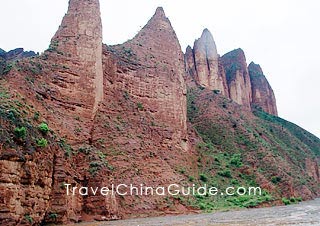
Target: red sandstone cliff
[118, 114]
[262, 93]
[202, 63]
[79, 41]
[237, 76]
[228, 74]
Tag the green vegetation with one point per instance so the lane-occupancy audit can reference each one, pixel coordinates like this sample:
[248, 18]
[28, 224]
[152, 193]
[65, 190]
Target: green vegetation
[53, 46]
[249, 201]
[53, 216]
[300, 134]
[126, 95]
[203, 177]
[7, 69]
[225, 173]
[36, 116]
[236, 160]
[20, 132]
[291, 200]
[28, 218]
[140, 106]
[98, 160]
[191, 178]
[66, 147]
[275, 180]
[192, 109]
[42, 142]
[235, 147]
[43, 127]
[286, 201]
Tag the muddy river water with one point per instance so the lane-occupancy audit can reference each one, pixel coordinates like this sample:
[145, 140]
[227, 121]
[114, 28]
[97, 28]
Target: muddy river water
[305, 213]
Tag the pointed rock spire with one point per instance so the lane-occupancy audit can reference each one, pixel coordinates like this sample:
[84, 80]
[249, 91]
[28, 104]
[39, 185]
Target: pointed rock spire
[262, 93]
[160, 12]
[189, 62]
[202, 63]
[206, 45]
[159, 34]
[157, 48]
[255, 69]
[79, 38]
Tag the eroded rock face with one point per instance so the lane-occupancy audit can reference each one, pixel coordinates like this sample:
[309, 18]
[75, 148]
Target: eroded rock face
[117, 116]
[262, 93]
[158, 76]
[202, 63]
[79, 41]
[190, 66]
[143, 115]
[237, 75]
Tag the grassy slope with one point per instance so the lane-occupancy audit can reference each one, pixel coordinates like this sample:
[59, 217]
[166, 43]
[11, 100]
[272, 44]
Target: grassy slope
[243, 149]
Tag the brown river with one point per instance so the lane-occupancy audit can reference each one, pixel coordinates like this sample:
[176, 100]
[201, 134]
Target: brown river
[304, 213]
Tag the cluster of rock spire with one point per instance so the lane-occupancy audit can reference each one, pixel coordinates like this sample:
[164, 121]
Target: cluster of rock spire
[80, 35]
[229, 74]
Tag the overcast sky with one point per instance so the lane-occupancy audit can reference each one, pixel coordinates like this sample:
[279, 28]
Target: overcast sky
[283, 36]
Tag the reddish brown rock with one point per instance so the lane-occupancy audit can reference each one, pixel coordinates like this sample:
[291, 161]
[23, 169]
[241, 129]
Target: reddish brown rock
[136, 134]
[190, 66]
[262, 93]
[143, 116]
[237, 75]
[202, 63]
[79, 40]
[157, 74]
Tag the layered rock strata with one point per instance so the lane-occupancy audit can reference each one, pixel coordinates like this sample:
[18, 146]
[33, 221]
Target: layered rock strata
[79, 41]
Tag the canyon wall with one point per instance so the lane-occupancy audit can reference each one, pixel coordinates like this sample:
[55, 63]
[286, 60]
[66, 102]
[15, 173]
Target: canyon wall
[118, 115]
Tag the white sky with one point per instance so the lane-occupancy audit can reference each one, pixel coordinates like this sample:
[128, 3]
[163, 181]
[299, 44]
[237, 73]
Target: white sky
[282, 36]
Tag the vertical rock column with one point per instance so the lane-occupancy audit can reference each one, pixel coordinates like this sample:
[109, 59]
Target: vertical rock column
[262, 93]
[238, 79]
[79, 38]
[202, 63]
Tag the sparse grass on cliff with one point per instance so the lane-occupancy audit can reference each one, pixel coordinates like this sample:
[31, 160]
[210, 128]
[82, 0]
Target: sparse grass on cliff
[238, 149]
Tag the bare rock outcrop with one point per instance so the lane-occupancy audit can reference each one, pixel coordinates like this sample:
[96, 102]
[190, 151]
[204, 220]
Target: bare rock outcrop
[78, 41]
[202, 63]
[118, 115]
[157, 77]
[237, 75]
[262, 93]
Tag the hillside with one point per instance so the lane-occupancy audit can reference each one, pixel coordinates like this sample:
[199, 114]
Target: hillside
[143, 112]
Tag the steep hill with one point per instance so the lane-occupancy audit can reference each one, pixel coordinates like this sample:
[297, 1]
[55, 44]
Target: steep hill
[88, 114]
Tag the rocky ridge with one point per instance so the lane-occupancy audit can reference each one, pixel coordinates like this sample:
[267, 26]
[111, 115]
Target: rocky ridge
[7, 57]
[228, 74]
[131, 114]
